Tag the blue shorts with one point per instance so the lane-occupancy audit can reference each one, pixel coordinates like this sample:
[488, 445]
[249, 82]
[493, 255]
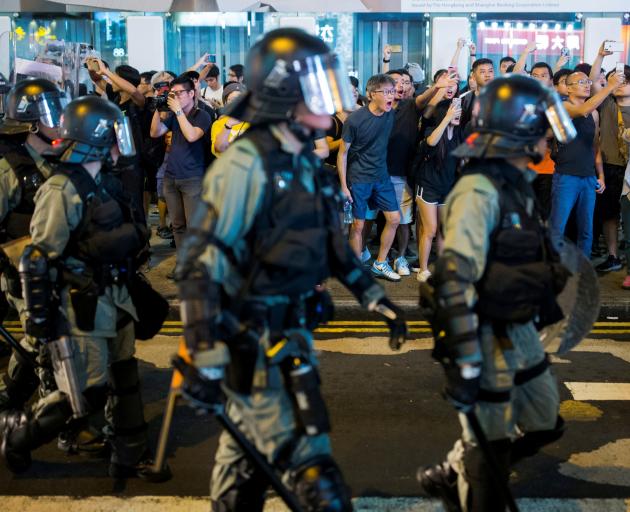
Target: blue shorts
[380, 195]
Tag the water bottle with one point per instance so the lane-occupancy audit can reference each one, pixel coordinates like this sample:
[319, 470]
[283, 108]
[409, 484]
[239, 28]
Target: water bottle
[347, 212]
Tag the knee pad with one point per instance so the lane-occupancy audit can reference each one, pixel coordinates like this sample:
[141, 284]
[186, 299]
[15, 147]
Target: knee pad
[319, 486]
[246, 493]
[532, 442]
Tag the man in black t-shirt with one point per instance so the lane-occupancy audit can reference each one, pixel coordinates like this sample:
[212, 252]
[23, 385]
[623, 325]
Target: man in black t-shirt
[121, 88]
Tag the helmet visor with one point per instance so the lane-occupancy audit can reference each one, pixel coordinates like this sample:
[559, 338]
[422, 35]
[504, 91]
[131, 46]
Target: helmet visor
[50, 107]
[324, 83]
[124, 138]
[559, 119]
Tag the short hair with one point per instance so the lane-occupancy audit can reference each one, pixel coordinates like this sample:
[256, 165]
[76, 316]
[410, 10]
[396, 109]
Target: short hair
[376, 81]
[583, 67]
[406, 72]
[481, 62]
[184, 80]
[214, 72]
[559, 74]
[354, 81]
[507, 59]
[172, 73]
[147, 75]
[238, 70]
[129, 73]
[193, 75]
[395, 72]
[539, 65]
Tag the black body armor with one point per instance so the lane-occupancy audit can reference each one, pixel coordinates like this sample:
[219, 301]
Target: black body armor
[289, 238]
[523, 274]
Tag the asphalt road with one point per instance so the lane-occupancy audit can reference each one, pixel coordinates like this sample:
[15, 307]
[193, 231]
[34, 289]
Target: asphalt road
[388, 419]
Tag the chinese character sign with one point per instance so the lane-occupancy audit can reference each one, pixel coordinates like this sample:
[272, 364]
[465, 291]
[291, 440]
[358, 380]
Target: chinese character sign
[549, 42]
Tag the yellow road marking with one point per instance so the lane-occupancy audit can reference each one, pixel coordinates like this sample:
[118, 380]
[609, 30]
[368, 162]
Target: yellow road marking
[573, 410]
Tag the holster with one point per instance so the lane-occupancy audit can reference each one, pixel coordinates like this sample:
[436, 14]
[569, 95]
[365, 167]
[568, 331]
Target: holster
[84, 293]
[151, 308]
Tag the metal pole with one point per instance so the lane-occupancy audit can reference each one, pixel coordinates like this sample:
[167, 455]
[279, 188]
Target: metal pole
[160, 455]
[488, 453]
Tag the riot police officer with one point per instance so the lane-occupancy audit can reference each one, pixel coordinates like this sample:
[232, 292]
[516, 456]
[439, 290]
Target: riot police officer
[84, 237]
[33, 110]
[266, 233]
[497, 276]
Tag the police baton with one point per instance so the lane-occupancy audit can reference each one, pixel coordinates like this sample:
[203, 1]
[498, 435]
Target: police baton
[488, 453]
[17, 347]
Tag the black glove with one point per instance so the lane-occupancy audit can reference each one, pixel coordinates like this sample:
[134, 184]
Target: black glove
[202, 391]
[460, 390]
[395, 318]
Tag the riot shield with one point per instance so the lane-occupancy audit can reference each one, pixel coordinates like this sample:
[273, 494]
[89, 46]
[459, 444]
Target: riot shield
[579, 300]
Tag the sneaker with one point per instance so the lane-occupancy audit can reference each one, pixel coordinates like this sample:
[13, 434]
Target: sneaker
[423, 276]
[609, 265]
[401, 266]
[166, 233]
[382, 270]
[626, 283]
[365, 255]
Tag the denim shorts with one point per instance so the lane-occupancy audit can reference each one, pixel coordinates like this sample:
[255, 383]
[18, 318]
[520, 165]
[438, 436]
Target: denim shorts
[373, 196]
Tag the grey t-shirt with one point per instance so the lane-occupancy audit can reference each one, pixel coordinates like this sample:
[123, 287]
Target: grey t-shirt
[609, 129]
[368, 136]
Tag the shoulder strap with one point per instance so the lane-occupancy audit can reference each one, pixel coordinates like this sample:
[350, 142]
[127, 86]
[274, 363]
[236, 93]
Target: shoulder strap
[85, 187]
[20, 161]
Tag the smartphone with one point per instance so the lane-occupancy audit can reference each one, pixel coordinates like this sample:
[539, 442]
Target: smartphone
[211, 59]
[565, 52]
[620, 68]
[613, 46]
[458, 102]
[452, 72]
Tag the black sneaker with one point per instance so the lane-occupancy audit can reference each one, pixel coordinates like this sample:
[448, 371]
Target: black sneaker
[609, 265]
[15, 460]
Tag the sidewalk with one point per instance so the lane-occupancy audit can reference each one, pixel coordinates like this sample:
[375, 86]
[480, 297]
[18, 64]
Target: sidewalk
[615, 302]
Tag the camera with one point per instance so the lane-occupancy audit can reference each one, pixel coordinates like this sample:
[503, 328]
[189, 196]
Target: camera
[159, 103]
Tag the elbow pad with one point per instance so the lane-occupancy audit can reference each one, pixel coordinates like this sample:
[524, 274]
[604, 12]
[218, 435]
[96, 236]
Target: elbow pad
[454, 324]
[37, 292]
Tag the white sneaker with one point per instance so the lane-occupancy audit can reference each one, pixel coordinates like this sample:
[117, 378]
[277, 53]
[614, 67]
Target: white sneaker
[384, 271]
[365, 255]
[423, 276]
[401, 266]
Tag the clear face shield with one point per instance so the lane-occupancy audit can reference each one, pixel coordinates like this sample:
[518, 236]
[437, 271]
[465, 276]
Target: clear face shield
[559, 119]
[325, 84]
[124, 137]
[50, 107]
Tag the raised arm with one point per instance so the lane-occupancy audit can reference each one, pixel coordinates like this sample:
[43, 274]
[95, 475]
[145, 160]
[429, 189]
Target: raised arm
[521, 63]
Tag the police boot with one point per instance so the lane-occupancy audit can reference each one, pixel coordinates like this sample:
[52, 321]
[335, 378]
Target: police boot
[246, 492]
[530, 443]
[127, 431]
[19, 384]
[484, 494]
[440, 481]
[21, 432]
[319, 485]
[16, 457]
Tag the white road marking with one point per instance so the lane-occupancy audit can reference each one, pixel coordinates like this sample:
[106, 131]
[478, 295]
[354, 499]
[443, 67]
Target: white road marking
[585, 391]
[200, 504]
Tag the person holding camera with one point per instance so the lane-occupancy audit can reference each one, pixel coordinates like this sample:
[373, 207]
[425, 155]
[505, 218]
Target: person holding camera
[187, 158]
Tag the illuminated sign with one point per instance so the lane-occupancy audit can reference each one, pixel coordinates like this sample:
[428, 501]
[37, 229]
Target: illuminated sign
[510, 41]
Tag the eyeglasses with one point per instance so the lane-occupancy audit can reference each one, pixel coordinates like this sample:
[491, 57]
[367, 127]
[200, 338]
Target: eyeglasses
[178, 93]
[387, 92]
[581, 82]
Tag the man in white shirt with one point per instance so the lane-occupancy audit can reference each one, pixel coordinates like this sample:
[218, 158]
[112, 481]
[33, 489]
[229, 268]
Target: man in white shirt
[213, 91]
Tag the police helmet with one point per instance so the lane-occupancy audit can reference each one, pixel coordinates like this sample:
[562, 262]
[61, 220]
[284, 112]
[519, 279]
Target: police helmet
[512, 114]
[288, 66]
[33, 100]
[90, 127]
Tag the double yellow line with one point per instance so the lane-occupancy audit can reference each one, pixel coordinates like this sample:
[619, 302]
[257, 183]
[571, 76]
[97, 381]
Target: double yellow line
[174, 327]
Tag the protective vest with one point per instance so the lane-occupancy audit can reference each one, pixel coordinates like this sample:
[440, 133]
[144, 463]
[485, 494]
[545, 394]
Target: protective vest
[288, 239]
[16, 223]
[523, 275]
[107, 233]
